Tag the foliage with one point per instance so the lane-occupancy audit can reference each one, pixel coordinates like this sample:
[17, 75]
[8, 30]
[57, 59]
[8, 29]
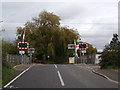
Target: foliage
[45, 34]
[91, 50]
[7, 73]
[8, 48]
[110, 56]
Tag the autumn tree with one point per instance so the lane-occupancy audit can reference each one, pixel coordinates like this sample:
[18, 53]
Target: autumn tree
[45, 34]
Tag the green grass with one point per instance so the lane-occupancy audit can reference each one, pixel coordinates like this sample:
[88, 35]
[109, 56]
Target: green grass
[112, 68]
[48, 62]
[6, 74]
[0, 77]
[0, 81]
[117, 70]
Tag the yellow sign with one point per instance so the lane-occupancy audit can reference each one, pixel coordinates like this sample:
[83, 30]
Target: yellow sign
[71, 59]
[83, 54]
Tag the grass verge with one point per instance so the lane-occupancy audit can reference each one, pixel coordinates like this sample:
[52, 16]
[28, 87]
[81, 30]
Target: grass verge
[117, 69]
[7, 73]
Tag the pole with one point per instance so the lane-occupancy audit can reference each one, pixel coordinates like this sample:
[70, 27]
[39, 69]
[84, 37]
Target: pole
[81, 57]
[23, 36]
[23, 41]
[21, 58]
[75, 51]
[30, 58]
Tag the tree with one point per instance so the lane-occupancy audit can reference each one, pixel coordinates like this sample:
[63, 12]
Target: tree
[111, 54]
[91, 50]
[45, 34]
[8, 48]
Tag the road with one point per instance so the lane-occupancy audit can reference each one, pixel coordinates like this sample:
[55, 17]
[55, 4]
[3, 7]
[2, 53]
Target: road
[61, 76]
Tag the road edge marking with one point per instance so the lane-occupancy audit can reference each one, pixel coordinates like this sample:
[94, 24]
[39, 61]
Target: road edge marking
[55, 66]
[17, 77]
[16, 66]
[61, 80]
[105, 76]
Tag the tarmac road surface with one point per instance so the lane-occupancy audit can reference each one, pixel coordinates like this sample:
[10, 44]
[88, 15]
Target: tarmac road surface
[61, 76]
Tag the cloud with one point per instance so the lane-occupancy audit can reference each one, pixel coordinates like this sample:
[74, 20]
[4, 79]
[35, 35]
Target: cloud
[59, 1]
[101, 32]
[95, 21]
[10, 31]
[70, 11]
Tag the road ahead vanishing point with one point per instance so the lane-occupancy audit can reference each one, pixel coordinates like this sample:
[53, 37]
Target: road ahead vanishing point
[61, 76]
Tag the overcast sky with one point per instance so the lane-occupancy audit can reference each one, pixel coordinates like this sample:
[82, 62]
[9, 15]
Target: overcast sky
[95, 20]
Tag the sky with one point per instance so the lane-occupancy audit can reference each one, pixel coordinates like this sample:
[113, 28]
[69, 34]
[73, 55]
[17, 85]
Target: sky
[95, 20]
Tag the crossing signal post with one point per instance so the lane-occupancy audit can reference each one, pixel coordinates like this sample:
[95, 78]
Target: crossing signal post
[21, 47]
[82, 47]
[71, 47]
[21, 52]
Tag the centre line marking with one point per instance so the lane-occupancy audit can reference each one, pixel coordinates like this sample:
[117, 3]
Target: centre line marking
[61, 80]
[55, 66]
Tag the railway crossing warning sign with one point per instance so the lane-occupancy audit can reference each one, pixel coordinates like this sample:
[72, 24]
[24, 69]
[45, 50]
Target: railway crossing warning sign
[23, 45]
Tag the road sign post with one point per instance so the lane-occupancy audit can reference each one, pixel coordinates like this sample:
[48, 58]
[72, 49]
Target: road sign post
[30, 58]
[71, 60]
[82, 47]
[71, 46]
[21, 47]
[75, 52]
[22, 56]
[30, 52]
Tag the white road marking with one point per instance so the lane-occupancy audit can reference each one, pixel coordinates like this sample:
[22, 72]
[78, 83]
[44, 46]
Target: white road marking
[105, 76]
[60, 77]
[55, 66]
[61, 80]
[16, 77]
[16, 66]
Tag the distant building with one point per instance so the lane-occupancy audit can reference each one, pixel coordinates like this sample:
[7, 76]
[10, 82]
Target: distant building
[98, 58]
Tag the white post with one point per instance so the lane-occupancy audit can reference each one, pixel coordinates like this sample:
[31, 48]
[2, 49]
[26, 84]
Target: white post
[75, 51]
[23, 36]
